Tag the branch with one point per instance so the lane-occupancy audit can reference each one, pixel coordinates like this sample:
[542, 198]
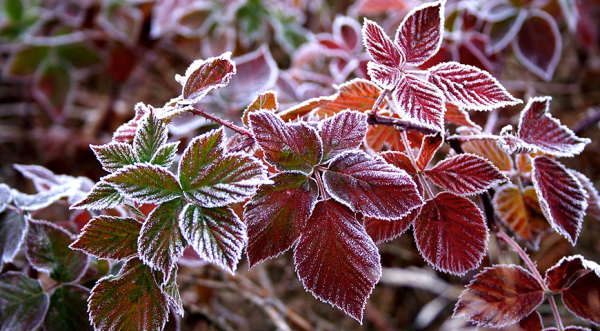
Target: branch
[378, 102]
[398, 123]
[201, 112]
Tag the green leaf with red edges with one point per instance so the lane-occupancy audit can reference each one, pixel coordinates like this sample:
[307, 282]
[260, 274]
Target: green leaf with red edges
[165, 154]
[12, 233]
[102, 196]
[203, 76]
[114, 156]
[48, 250]
[23, 302]
[266, 100]
[131, 300]
[149, 137]
[500, 296]
[385, 230]
[582, 297]
[108, 237]
[171, 292]
[145, 183]
[216, 234]
[277, 214]
[68, 309]
[343, 131]
[211, 177]
[336, 260]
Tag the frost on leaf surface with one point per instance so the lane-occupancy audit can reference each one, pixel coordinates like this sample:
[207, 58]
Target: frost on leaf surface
[114, 155]
[13, 228]
[277, 215]
[429, 146]
[68, 309]
[500, 296]
[5, 196]
[212, 177]
[145, 183]
[109, 237]
[420, 102]
[216, 234]
[558, 276]
[562, 198]
[48, 250]
[171, 292]
[294, 146]
[400, 160]
[102, 196]
[469, 87]
[336, 260]
[581, 298]
[165, 155]
[380, 47]
[451, 233]
[489, 149]
[385, 230]
[131, 300]
[150, 136]
[371, 186]
[161, 242]
[345, 130]
[266, 100]
[203, 76]
[593, 208]
[126, 132]
[420, 34]
[24, 303]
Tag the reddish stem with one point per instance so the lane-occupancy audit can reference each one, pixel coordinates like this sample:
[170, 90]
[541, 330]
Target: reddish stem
[559, 323]
[524, 257]
[379, 101]
[399, 124]
[222, 122]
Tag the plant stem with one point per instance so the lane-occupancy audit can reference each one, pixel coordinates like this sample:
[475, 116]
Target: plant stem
[378, 102]
[414, 163]
[201, 112]
[399, 124]
[320, 183]
[524, 257]
[559, 323]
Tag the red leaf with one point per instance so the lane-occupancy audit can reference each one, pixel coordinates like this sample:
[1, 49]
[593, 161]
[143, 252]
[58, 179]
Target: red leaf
[470, 87]
[286, 146]
[376, 7]
[420, 102]
[583, 296]
[420, 34]
[538, 44]
[558, 276]
[533, 322]
[266, 100]
[385, 230]
[429, 146]
[380, 46]
[126, 132]
[277, 215]
[203, 76]
[400, 160]
[562, 197]
[383, 137]
[451, 233]
[500, 296]
[343, 267]
[344, 131]
[465, 174]
[593, 208]
[348, 30]
[489, 149]
[385, 76]
[459, 116]
[371, 186]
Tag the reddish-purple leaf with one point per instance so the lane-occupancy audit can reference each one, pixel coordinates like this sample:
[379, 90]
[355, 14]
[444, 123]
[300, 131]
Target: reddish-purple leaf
[23, 302]
[371, 186]
[559, 275]
[102, 196]
[294, 146]
[380, 46]
[537, 127]
[429, 146]
[583, 296]
[277, 215]
[203, 76]
[538, 44]
[145, 183]
[470, 87]
[561, 196]
[451, 233]
[385, 76]
[344, 131]
[420, 102]
[400, 160]
[114, 156]
[465, 174]
[126, 132]
[266, 100]
[385, 230]
[500, 296]
[348, 31]
[420, 34]
[336, 260]
[533, 322]
[593, 200]
[108, 237]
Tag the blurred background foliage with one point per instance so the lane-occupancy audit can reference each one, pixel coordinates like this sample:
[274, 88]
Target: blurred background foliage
[72, 70]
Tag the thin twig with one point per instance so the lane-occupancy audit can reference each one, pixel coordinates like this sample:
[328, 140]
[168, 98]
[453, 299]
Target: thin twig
[559, 323]
[399, 124]
[587, 122]
[524, 257]
[378, 102]
[201, 112]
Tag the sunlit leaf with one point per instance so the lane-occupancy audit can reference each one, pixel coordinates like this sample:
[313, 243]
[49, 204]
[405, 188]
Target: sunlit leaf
[420, 33]
[68, 309]
[102, 196]
[562, 198]
[203, 76]
[420, 102]
[489, 149]
[23, 302]
[593, 200]
[130, 300]
[277, 215]
[343, 131]
[114, 156]
[458, 116]
[429, 146]
[385, 230]
[108, 237]
[451, 233]
[150, 136]
[357, 94]
[400, 160]
[12, 232]
[500, 296]
[266, 100]
[343, 268]
[145, 183]
[582, 297]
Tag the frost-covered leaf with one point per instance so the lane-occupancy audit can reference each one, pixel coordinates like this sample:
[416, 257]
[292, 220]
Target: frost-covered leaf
[385, 76]
[5, 196]
[382, 137]
[336, 260]
[420, 102]
[532, 322]
[129, 301]
[48, 250]
[385, 230]
[211, 177]
[521, 212]
[371, 186]
[343, 131]
[503, 31]
[294, 146]
[470, 87]
[216, 234]
[28, 202]
[108, 237]
[165, 155]
[400, 160]
[379, 46]
[451, 233]
[171, 292]
[102, 196]
[459, 116]
[12, 232]
[489, 149]
[511, 144]
[161, 242]
[277, 215]
[562, 198]
[266, 100]
[357, 94]
[126, 132]
[203, 76]
[420, 33]
[42, 178]
[23, 302]
[68, 309]
[558, 276]
[593, 200]
[114, 156]
[429, 146]
[145, 183]
[465, 174]
[582, 297]
[537, 127]
[150, 136]
[500, 296]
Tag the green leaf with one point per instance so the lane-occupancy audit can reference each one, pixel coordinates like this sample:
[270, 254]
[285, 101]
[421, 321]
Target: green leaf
[161, 243]
[114, 156]
[12, 232]
[108, 237]
[48, 250]
[216, 234]
[130, 300]
[150, 136]
[13, 9]
[68, 309]
[171, 291]
[23, 302]
[145, 183]
[79, 55]
[102, 196]
[5, 196]
[211, 177]
[165, 154]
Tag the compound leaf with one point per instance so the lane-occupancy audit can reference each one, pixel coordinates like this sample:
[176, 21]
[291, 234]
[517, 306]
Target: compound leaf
[108, 237]
[23, 302]
[13, 228]
[114, 156]
[420, 33]
[343, 131]
[420, 102]
[165, 154]
[145, 183]
[203, 76]
[102, 196]
[149, 137]
[68, 309]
